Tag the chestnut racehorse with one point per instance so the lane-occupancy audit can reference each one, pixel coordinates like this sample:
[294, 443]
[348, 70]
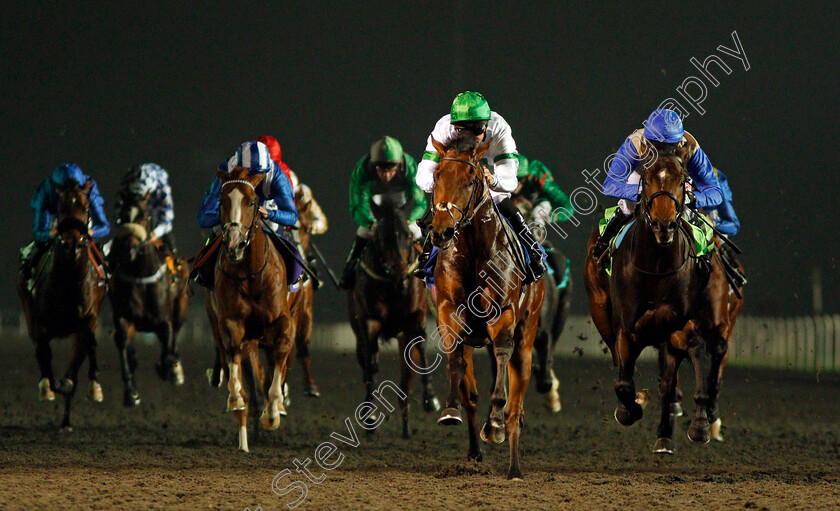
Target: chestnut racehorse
[481, 300]
[249, 305]
[661, 294]
[65, 299]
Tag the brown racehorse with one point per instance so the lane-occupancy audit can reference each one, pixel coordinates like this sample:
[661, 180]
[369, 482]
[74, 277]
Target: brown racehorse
[249, 305]
[65, 299]
[146, 295]
[480, 301]
[387, 302]
[301, 304]
[661, 295]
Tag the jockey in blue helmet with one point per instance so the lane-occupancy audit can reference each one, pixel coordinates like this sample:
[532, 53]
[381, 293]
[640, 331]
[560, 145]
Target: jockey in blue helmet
[726, 221]
[45, 207]
[663, 132]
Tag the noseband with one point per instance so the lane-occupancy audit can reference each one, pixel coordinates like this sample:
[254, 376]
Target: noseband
[465, 220]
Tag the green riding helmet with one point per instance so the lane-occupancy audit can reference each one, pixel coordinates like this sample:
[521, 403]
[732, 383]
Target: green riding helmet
[386, 150]
[468, 107]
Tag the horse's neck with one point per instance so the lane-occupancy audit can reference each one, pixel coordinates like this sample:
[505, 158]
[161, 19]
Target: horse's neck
[65, 269]
[147, 259]
[649, 256]
[487, 219]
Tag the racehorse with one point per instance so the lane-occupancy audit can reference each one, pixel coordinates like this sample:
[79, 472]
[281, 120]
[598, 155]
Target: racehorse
[553, 316]
[387, 302]
[301, 304]
[661, 294]
[480, 300]
[65, 299]
[249, 305]
[146, 295]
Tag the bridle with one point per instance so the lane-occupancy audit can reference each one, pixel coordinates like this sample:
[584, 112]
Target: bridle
[465, 220]
[255, 217]
[646, 201]
[248, 234]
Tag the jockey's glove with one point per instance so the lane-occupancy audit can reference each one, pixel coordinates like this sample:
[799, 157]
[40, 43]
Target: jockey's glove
[690, 200]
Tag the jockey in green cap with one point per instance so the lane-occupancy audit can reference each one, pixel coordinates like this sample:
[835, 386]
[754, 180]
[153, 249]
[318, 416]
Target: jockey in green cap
[471, 122]
[386, 169]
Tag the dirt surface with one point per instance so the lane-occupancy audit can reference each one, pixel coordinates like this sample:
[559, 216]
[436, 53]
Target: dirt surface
[178, 449]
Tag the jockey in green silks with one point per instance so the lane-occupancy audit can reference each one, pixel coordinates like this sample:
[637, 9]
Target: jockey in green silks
[386, 169]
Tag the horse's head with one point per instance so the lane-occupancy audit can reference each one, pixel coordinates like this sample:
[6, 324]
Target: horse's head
[663, 196]
[73, 216]
[239, 210]
[459, 184]
[391, 236]
[134, 209]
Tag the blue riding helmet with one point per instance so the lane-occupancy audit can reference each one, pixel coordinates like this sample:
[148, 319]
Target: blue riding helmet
[67, 171]
[253, 156]
[664, 125]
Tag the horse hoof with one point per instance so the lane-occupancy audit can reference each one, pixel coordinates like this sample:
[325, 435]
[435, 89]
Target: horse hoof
[623, 416]
[312, 391]
[211, 380]
[177, 374]
[715, 430]
[131, 399]
[268, 423]
[235, 404]
[45, 393]
[65, 386]
[431, 404]
[287, 399]
[66, 429]
[552, 401]
[450, 417]
[663, 446]
[95, 392]
[699, 431]
[676, 409]
[496, 434]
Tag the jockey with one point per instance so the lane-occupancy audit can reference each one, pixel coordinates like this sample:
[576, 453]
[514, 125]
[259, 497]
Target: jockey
[551, 204]
[45, 206]
[314, 214]
[471, 119]
[385, 169]
[726, 221]
[275, 188]
[663, 132]
[150, 179]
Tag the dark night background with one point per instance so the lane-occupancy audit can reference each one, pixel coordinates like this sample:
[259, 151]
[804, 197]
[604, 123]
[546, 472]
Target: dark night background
[108, 85]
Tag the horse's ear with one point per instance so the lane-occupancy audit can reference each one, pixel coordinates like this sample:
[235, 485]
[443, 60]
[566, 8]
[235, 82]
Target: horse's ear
[479, 151]
[87, 186]
[438, 147]
[255, 179]
[221, 175]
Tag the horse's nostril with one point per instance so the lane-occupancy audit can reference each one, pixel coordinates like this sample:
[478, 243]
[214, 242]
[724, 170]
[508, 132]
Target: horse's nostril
[672, 225]
[241, 245]
[448, 233]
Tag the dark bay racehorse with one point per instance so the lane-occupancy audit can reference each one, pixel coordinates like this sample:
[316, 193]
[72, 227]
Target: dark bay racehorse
[65, 299]
[249, 305]
[480, 300]
[553, 316]
[660, 294]
[387, 302]
[146, 295]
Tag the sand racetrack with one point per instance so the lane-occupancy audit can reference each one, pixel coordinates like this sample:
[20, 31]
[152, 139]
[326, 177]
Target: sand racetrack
[178, 449]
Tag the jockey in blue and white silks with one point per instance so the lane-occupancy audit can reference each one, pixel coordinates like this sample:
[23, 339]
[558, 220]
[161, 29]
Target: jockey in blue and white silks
[663, 133]
[45, 208]
[726, 221]
[274, 191]
[150, 179]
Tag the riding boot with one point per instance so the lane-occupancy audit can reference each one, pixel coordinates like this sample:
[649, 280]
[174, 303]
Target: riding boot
[30, 256]
[730, 265]
[536, 265]
[613, 226]
[423, 258]
[348, 279]
[552, 262]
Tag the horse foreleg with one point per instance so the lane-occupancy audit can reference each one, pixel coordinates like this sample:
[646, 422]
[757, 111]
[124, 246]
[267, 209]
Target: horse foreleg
[494, 430]
[367, 350]
[519, 369]
[455, 369]
[629, 409]
[668, 364]
[303, 335]
[68, 385]
[123, 332]
[719, 355]
[700, 426]
[418, 354]
[95, 389]
[282, 335]
[405, 383]
[47, 383]
[469, 398]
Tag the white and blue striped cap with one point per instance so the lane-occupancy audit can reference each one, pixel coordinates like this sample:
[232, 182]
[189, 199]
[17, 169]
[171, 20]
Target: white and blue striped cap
[253, 156]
